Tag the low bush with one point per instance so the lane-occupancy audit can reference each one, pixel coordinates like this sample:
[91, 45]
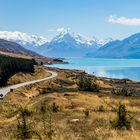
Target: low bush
[122, 92]
[86, 113]
[24, 130]
[101, 108]
[122, 120]
[54, 107]
[86, 84]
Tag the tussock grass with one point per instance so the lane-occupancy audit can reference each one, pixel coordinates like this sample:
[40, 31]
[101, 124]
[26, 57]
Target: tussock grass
[74, 115]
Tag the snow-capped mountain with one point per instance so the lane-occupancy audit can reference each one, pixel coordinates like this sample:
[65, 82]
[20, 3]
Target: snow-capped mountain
[104, 41]
[101, 42]
[25, 40]
[64, 44]
[68, 44]
[68, 36]
[126, 48]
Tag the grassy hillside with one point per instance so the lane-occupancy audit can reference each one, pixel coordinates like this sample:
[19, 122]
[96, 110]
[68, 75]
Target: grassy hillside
[10, 65]
[21, 77]
[61, 110]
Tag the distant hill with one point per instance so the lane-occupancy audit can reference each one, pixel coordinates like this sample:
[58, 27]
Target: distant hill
[13, 49]
[126, 48]
[9, 46]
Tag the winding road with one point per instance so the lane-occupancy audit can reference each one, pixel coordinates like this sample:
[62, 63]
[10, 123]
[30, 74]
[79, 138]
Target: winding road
[7, 89]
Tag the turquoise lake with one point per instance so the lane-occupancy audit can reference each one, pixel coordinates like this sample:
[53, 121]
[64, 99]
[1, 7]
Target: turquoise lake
[111, 68]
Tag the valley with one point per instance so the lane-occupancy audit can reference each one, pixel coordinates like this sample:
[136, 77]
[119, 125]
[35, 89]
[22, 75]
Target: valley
[72, 113]
[69, 104]
[69, 70]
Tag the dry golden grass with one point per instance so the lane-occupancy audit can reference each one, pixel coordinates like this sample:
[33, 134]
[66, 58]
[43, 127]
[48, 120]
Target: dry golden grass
[70, 122]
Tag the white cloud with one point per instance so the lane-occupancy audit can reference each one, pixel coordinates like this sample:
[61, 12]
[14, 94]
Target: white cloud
[59, 30]
[124, 21]
[22, 38]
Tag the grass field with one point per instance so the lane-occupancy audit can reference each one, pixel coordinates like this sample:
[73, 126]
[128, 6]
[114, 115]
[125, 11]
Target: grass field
[70, 114]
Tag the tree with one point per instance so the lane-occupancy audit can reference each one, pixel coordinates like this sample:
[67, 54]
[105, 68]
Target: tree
[24, 131]
[122, 121]
[9, 66]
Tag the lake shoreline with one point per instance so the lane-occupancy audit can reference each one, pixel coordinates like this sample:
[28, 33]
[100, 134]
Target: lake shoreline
[110, 68]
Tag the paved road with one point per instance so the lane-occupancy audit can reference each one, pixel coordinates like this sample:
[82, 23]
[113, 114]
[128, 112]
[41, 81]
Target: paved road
[7, 89]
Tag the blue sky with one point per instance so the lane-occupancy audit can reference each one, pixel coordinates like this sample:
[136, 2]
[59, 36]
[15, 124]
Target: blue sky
[100, 18]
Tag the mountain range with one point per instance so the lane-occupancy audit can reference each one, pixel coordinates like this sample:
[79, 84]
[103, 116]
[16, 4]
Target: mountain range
[70, 44]
[126, 48]
[64, 44]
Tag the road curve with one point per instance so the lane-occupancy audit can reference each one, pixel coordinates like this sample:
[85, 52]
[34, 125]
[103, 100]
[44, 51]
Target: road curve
[7, 89]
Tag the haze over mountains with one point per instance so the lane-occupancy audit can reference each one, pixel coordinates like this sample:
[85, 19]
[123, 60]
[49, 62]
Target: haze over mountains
[70, 44]
[126, 48]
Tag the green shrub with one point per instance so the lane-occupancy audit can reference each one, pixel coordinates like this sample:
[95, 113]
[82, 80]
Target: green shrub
[86, 84]
[101, 108]
[55, 108]
[122, 121]
[46, 90]
[122, 92]
[24, 131]
[86, 113]
[42, 91]
[46, 119]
